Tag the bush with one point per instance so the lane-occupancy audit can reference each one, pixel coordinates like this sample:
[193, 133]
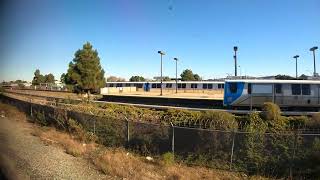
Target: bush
[40, 118]
[297, 122]
[314, 122]
[219, 120]
[168, 158]
[271, 113]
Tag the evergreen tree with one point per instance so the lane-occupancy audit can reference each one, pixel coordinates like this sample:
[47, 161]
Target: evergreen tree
[85, 71]
[38, 78]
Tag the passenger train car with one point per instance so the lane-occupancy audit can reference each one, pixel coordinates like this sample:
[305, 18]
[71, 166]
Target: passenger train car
[171, 85]
[285, 93]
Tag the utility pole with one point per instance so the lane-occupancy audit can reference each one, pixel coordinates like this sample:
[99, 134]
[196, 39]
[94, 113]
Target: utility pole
[313, 49]
[176, 59]
[161, 54]
[235, 48]
[296, 57]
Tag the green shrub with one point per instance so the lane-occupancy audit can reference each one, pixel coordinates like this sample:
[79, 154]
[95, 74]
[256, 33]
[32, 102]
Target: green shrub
[219, 120]
[297, 122]
[314, 122]
[40, 118]
[76, 129]
[168, 158]
[181, 117]
[271, 113]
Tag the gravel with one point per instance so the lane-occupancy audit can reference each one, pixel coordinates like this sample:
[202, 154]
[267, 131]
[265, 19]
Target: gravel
[23, 156]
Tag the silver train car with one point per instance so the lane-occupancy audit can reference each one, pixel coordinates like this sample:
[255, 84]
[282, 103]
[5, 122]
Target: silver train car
[285, 93]
[171, 85]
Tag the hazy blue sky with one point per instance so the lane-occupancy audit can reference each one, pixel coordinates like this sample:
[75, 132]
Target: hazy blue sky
[45, 34]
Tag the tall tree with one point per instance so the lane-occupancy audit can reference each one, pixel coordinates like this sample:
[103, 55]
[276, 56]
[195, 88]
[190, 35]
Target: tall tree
[38, 78]
[49, 78]
[187, 75]
[63, 78]
[85, 71]
[137, 79]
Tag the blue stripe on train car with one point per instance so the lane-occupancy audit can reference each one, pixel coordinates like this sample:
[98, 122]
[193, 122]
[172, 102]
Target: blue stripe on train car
[230, 97]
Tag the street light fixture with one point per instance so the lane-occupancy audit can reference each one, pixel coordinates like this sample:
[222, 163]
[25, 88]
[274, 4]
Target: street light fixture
[176, 59]
[296, 57]
[161, 54]
[313, 49]
[235, 48]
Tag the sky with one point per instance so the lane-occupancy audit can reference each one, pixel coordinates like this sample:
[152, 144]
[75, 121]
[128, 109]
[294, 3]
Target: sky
[45, 34]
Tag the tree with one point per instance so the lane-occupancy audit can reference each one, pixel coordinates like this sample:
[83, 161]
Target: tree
[38, 78]
[284, 77]
[85, 71]
[63, 78]
[187, 75]
[49, 78]
[303, 77]
[166, 78]
[197, 77]
[115, 79]
[137, 79]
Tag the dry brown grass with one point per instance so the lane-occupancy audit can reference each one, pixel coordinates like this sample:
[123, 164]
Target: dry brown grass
[117, 162]
[69, 143]
[12, 112]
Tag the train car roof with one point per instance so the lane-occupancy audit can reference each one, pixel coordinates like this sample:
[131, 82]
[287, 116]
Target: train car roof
[181, 82]
[261, 81]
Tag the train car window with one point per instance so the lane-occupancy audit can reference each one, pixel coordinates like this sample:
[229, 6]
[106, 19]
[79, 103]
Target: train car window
[205, 86]
[210, 86]
[169, 85]
[128, 85]
[278, 88]
[233, 87]
[194, 85]
[306, 89]
[222, 85]
[139, 85]
[249, 88]
[119, 85]
[219, 86]
[158, 85]
[296, 89]
[184, 85]
[179, 85]
[110, 85]
[154, 85]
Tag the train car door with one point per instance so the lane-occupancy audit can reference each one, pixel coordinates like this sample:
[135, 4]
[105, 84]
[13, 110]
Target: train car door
[147, 86]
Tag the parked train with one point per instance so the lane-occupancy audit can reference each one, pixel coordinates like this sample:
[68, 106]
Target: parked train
[286, 93]
[171, 85]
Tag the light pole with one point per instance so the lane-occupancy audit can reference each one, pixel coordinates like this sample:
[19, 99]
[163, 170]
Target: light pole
[313, 49]
[161, 54]
[296, 57]
[176, 59]
[235, 48]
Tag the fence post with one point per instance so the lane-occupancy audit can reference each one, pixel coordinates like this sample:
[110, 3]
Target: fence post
[172, 145]
[232, 149]
[31, 108]
[293, 154]
[128, 129]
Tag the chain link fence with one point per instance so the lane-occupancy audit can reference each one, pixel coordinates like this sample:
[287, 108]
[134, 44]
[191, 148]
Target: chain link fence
[287, 154]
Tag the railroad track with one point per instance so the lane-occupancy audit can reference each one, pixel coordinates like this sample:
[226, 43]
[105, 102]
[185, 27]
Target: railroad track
[165, 107]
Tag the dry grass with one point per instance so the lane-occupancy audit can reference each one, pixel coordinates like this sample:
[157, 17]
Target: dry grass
[119, 163]
[69, 143]
[12, 112]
